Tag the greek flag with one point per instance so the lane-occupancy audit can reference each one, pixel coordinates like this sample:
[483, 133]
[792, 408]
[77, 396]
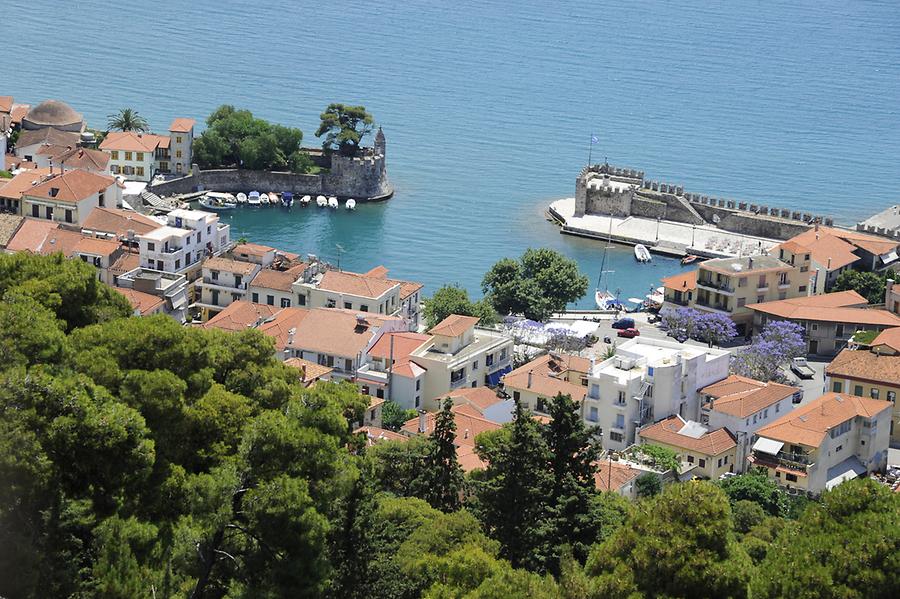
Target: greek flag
[594, 139]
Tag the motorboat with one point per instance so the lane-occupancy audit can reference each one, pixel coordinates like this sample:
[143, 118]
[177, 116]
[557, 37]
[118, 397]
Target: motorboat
[304, 201]
[641, 253]
[351, 204]
[274, 198]
[321, 201]
[606, 300]
[287, 199]
[689, 259]
[333, 202]
[253, 198]
[242, 198]
[264, 199]
[218, 201]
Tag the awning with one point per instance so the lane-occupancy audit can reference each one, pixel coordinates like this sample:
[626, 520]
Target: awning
[889, 257]
[493, 379]
[849, 468]
[768, 446]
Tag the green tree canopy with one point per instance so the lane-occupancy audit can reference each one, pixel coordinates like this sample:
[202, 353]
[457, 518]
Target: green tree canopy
[344, 126]
[870, 285]
[393, 417]
[127, 119]
[540, 283]
[757, 487]
[453, 299]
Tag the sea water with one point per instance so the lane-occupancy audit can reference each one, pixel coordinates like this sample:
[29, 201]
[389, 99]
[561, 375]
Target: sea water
[488, 107]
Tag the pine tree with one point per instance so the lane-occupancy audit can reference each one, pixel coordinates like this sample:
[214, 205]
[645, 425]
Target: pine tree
[512, 497]
[443, 476]
[574, 455]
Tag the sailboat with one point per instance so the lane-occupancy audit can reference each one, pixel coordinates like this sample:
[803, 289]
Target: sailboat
[604, 299]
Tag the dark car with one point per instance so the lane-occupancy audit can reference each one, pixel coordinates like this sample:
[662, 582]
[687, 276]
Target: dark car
[632, 332]
[623, 323]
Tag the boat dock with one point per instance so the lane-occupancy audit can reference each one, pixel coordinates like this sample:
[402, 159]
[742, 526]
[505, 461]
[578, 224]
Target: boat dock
[663, 237]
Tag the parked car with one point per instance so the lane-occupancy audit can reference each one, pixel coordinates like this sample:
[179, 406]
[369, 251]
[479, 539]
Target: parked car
[623, 323]
[801, 368]
[630, 332]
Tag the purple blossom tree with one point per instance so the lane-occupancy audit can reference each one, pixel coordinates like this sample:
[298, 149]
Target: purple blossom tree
[680, 323]
[775, 346]
[714, 328]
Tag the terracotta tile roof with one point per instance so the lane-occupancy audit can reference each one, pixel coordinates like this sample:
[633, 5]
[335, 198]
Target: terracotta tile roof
[129, 141]
[61, 241]
[127, 262]
[6, 103]
[47, 135]
[15, 187]
[409, 369]
[454, 325]
[838, 245]
[404, 344]
[11, 163]
[468, 426]
[743, 397]
[280, 280]
[51, 149]
[18, 112]
[239, 316]
[379, 272]
[281, 323]
[233, 266]
[336, 332]
[71, 186]
[831, 307]
[375, 435]
[97, 247]
[143, 303]
[355, 284]
[555, 363]
[480, 398]
[612, 476]
[407, 288]
[84, 158]
[807, 425]
[888, 337]
[9, 224]
[865, 365]
[544, 372]
[31, 235]
[252, 249]
[666, 431]
[685, 281]
[311, 370]
[118, 222]
[182, 125]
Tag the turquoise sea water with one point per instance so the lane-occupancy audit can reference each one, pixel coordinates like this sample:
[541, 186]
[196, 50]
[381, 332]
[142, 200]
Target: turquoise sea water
[488, 106]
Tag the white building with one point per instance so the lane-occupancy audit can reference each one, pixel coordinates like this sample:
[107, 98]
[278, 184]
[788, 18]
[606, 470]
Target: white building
[648, 380]
[69, 197]
[169, 287]
[141, 156]
[224, 281]
[188, 237]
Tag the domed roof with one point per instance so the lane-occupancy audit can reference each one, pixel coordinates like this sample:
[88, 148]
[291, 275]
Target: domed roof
[52, 113]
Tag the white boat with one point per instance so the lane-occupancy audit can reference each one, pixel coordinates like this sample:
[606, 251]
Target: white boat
[333, 202]
[350, 204]
[321, 201]
[603, 298]
[304, 201]
[641, 253]
[264, 199]
[253, 198]
[242, 198]
[218, 201]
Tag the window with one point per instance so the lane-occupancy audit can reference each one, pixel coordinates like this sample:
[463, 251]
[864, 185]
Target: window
[620, 421]
[457, 375]
[838, 448]
[330, 303]
[857, 390]
[839, 330]
[418, 384]
[741, 302]
[806, 256]
[101, 200]
[791, 477]
[49, 213]
[502, 354]
[760, 299]
[208, 231]
[649, 392]
[372, 415]
[68, 216]
[418, 401]
[802, 288]
[164, 166]
[363, 308]
[840, 430]
[595, 391]
[874, 393]
[178, 139]
[766, 413]
[702, 463]
[177, 263]
[517, 396]
[489, 360]
[348, 365]
[255, 297]
[127, 155]
[892, 396]
[379, 393]
[690, 459]
[719, 463]
[650, 371]
[621, 397]
[726, 460]
[742, 282]
[214, 274]
[348, 306]
[35, 211]
[592, 415]
[139, 171]
[139, 156]
[762, 280]
[177, 153]
[301, 300]
[114, 154]
[616, 437]
[285, 302]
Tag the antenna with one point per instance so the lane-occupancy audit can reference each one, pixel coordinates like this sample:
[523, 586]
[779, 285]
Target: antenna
[340, 250]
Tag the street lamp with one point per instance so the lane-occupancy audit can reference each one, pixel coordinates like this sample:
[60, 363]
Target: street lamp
[657, 228]
[693, 230]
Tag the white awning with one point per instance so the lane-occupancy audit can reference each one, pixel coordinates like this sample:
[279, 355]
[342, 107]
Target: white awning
[849, 468]
[889, 257]
[768, 446]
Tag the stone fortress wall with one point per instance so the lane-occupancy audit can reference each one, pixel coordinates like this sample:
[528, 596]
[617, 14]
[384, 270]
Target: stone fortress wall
[622, 192]
[362, 177]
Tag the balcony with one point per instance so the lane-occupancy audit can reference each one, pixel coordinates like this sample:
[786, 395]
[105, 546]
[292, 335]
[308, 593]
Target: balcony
[720, 286]
[762, 288]
[793, 461]
[713, 306]
[370, 372]
[208, 281]
[784, 284]
[458, 382]
[681, 301]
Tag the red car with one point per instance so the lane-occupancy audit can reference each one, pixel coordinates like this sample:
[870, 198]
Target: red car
[630, 333]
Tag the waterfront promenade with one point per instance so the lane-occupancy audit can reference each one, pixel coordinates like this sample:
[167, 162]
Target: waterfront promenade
[660, 236]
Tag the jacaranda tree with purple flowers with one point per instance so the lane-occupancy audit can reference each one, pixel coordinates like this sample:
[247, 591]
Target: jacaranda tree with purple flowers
[775, 346]
[714, 328]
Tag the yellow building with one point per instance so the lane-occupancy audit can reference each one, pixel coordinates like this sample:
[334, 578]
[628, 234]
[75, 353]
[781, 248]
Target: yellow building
[728, 285]
[703, 453]
[871, 373]
[542, 379]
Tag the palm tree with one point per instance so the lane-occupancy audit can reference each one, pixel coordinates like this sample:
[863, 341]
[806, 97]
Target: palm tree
[127, 119]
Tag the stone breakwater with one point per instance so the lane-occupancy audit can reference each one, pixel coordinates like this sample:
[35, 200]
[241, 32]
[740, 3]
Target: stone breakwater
[362, 177]
[623, 192]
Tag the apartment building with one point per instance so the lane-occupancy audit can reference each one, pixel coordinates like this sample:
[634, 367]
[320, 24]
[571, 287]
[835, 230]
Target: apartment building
[648, 380]
[825, 442]
[388, 370]
[181, 245]
[535, 383]
[69, 197]
[703, 452]
[743, 405]
[140, 156]
[224, 281]
[169, 289]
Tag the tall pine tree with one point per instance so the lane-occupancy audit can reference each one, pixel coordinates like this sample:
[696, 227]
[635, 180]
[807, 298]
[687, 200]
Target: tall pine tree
[443, 477]
[513, 494]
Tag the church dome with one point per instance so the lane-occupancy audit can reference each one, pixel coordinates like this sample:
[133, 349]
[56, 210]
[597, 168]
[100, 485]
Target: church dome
[53, 113]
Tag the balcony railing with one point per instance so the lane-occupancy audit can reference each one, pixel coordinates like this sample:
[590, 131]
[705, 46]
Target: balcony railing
[713, 305]
[794, 461]
[220, 283]
[680, 302]
[718, 285]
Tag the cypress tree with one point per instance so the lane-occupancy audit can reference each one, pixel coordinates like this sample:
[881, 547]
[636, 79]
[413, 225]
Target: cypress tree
[443, 475]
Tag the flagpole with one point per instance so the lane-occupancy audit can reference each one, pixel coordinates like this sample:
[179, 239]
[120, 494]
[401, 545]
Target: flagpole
[590, 148]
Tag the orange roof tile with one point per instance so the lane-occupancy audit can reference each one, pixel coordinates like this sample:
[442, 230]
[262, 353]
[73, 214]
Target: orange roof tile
[143, 303]
[182, 125]
[468, 426]
[130, 141]
[742, 397]
[127, 262]
[409, 369]
[888, 337]
[239, 316]
[31, 235]
[6, 103]
[612, 476]
[83, 158]
[843, 307]
[454, 325]
[311, 371]
[807, 425]
[281, 323]
[252, 249]
[480, 398]
[11, 163]
[375, 435]
[555, 364]
[118, 222]
[355, 284]
[836, 245]
[280, 280]
[97, 247]
[543, 384]
[49, 135]
[233, 266]
[18, 112]
[666, 431]
[71, 186]
[685, 281]
[336, 332]
[61, 241]
[865, 365]
[15, 187]
[377, 272]
[9, 224]
[404, 344]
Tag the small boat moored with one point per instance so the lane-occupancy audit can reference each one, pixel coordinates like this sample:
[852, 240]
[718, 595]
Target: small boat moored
[689, 259]
[333, 202]
[242, 198]
[287, 199]
[350, 204]
[304, 201]
[321, 201]
[253, 198]
[264, 199]
[218, 201]
[641, 253]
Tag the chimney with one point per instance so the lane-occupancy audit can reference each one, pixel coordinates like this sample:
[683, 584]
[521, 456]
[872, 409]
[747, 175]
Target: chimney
[750, 263]
[466, 434]
[422, 420]
[303, 372]
[817, 227]
[529, 378]
[829, 264]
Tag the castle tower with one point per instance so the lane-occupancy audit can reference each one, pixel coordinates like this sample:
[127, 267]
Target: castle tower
[380, 147]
